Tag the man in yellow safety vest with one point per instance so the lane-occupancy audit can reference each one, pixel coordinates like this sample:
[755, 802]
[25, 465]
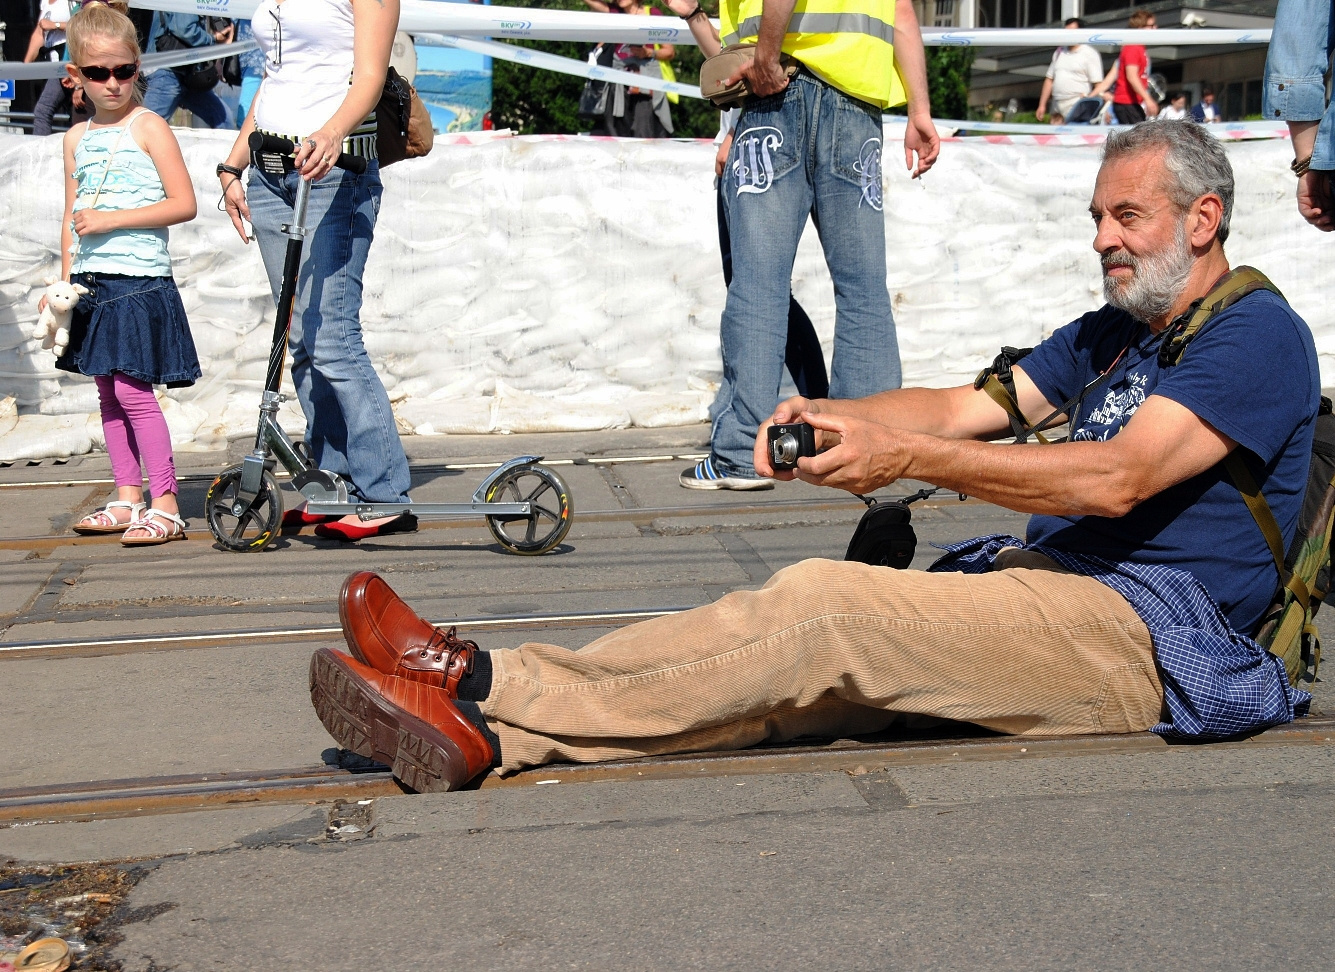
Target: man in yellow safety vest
[810, 146]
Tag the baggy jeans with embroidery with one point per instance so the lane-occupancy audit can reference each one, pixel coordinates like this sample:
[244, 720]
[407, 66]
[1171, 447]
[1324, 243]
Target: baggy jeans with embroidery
[810, 150]
[831, 648]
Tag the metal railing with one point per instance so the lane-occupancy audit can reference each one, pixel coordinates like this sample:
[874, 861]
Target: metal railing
[24, 120]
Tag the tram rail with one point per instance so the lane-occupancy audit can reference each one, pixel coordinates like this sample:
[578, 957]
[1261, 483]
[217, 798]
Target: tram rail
[640, 516]
[133, 644]
[149, 796]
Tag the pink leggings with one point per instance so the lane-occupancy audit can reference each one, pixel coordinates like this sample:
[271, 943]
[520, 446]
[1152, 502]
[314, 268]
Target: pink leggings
[133, 425]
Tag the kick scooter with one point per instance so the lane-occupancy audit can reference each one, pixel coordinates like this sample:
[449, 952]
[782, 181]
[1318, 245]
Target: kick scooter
[526, 505]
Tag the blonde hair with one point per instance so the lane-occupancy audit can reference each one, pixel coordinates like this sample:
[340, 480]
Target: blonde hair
[99, 20]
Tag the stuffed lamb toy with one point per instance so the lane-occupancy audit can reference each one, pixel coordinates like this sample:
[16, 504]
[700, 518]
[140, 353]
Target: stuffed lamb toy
[53, 324]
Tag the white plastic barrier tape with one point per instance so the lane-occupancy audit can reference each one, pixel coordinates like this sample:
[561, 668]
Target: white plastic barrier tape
[1061, 37]
[551, 62]
[476, 20]
[150, 62]
[1227, 130]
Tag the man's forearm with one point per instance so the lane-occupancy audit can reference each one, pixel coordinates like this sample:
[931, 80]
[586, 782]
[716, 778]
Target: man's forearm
[1071, 479]
[1044, 95]
[941, 412]
[1303, 136]
[774, 19]
[910, 58]
[189, 29]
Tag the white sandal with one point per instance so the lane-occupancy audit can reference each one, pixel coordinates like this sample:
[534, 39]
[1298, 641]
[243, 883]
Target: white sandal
[158, 532]
[102, 521]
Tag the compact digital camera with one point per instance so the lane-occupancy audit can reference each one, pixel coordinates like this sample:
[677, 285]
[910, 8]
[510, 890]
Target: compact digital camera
[788, 443]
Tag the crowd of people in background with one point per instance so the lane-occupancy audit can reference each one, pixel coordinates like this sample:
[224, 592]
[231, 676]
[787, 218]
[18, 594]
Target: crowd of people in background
[206, 89]
[1075, 90]
[1078, 91]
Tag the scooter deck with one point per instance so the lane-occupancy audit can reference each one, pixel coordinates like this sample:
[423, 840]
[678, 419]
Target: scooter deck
[370, 511]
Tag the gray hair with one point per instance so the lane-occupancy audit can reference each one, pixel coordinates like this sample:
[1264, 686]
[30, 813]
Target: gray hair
[1193, 157]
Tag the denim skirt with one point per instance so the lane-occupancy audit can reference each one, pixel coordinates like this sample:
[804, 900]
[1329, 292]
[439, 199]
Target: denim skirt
[134, 325]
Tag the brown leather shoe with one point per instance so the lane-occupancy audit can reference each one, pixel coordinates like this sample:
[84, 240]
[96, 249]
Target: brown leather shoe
[384, 632]
[413, 728]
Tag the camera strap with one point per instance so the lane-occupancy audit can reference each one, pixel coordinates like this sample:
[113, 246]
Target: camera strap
[999, 383]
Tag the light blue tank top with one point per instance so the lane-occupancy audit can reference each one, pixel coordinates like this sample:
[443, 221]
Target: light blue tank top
[131, 182]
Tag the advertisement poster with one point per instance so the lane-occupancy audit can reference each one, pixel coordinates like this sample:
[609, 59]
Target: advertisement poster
[454, 85]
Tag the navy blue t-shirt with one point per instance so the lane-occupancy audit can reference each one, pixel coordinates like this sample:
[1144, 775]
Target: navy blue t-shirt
[1251, 372]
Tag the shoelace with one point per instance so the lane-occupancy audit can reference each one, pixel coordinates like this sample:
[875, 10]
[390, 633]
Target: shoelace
[448, 643]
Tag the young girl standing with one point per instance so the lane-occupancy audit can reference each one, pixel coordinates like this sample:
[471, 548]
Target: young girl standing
[125, 183]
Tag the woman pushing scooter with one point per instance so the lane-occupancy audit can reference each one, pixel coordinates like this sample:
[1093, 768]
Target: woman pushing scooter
[312, 48]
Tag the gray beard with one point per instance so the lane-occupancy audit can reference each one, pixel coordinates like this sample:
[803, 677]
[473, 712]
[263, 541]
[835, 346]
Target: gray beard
[1156, 280]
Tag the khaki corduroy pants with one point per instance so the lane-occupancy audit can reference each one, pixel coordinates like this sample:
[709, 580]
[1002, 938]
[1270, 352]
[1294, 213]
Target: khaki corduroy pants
[830, 648]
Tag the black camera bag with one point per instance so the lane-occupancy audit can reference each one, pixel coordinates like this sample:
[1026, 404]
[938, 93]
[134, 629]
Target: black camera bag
[884, 537]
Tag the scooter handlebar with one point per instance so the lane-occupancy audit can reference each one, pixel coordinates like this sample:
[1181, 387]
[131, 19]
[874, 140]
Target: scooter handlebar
[259, 142]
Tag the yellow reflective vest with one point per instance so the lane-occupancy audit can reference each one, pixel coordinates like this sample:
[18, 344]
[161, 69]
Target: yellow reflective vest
[848, 43]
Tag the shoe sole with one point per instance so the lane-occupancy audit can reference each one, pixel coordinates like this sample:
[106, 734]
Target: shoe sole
[731, 483]
[154, 541]
[361, 720]
[355, 715]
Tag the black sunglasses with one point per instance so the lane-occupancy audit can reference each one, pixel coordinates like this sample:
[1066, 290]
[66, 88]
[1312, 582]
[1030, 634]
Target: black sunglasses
[121, 72]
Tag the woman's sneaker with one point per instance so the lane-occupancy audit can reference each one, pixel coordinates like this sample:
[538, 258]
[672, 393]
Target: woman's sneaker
[703, 475]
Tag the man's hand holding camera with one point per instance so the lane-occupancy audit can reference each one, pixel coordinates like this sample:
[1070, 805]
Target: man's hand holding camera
[852, 453]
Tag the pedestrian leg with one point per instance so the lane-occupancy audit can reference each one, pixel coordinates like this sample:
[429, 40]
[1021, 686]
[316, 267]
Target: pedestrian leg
[162, 96]
[118, 431]
[154, 441]
[44, 111]
[848, 214]
[767, 194]
[360, 427]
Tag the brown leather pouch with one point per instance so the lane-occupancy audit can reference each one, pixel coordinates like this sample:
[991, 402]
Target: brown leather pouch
[725, 64]
[403, 125]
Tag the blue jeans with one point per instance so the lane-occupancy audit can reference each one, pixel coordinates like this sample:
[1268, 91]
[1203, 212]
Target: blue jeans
[165, 94]
[802, 355]
[349, 424]
[810, 150]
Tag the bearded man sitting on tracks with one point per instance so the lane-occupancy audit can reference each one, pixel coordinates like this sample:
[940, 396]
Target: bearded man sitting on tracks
[1120, 612]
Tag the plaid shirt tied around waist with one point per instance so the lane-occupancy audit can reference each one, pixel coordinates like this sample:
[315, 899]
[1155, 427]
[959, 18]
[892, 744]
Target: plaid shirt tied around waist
[1216, 681]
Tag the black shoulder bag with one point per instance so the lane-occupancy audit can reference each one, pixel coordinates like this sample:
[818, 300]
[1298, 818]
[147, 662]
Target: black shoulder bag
[198, 77]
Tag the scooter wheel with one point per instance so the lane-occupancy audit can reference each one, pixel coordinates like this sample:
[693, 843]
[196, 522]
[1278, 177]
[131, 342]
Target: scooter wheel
[547, 524]
[237, 526]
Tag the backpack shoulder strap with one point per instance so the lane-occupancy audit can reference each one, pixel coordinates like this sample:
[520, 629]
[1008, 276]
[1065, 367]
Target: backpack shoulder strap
[1235, 285]
[998, 382]
[1251, 495]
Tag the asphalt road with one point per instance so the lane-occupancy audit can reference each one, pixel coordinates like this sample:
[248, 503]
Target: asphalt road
[1186, 856]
